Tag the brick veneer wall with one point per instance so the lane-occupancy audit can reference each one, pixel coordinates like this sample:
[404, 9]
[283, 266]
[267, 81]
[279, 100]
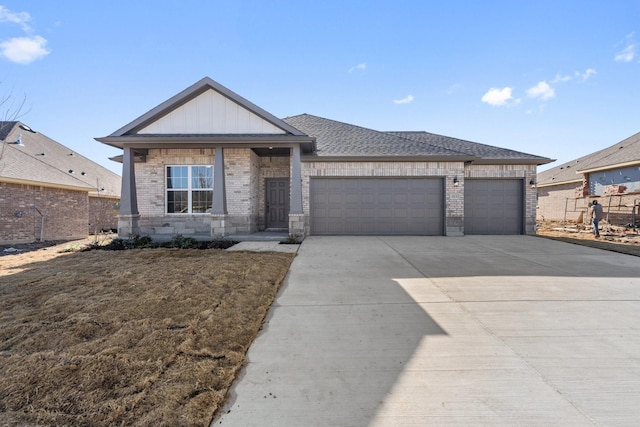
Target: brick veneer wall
[245, 174]
[103, 213]
[66, 213]
[553, 200]
[241, 181]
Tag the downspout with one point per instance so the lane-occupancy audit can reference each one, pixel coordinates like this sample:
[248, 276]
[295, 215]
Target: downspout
[41, 222]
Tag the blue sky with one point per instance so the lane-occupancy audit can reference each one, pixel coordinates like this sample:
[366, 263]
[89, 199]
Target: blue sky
[555, 78]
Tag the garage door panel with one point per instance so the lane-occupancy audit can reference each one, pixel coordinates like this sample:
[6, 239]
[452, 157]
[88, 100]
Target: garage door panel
[377, 206]
[493, 206]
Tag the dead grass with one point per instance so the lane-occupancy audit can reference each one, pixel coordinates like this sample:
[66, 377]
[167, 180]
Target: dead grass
[150, 337]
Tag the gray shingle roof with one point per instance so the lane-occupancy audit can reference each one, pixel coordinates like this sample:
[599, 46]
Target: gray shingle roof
[625, 151]
[483, 151]
[45, 161]
[335, 138]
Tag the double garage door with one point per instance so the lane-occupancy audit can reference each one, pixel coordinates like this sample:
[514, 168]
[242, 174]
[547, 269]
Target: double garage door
[377, 206]
[411, 206]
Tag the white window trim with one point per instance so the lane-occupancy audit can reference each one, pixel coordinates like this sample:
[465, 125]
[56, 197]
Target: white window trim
[189, 190]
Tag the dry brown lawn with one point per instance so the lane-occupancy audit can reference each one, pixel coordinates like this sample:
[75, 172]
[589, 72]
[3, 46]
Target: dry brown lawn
[150, 337]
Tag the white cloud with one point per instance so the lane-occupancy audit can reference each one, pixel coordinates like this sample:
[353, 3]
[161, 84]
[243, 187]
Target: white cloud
[20, 18]
[24, 50]
[629, 52]
[587, 74]
[541, 90]
[561, 79]
[359, 67]
[406, 100]
[498, 97]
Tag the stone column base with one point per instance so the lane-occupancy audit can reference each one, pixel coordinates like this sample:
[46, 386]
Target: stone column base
[220, 226]
[298, 225]
[128, 225]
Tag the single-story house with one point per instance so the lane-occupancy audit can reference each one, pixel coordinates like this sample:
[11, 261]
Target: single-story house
[49, 192]
[611, 176]
[209, 162]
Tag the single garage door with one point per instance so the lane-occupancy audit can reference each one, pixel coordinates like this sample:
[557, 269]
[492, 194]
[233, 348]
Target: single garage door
[377, 206]
[493, 206]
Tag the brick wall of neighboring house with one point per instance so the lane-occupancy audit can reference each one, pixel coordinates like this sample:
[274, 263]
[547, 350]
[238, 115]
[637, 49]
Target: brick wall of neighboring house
[564, 202]
[103, 213]
[559, 202]
[66, 213]
[619, 208]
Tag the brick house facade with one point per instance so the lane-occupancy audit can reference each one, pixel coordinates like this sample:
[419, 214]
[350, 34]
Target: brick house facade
[610, 175]
[254, 171]
[48, 192]
[64, 213]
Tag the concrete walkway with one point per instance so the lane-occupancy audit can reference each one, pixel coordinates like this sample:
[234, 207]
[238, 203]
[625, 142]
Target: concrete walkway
[421, 331]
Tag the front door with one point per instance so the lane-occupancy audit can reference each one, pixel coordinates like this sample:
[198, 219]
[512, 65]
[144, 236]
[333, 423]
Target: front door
[277, 203]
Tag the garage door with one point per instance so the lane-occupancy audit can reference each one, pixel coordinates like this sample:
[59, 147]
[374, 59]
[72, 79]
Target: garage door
[377, 206]
[493, 206]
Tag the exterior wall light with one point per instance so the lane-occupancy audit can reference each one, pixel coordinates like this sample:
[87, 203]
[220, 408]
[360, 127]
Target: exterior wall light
[532, 183]
[455, 181]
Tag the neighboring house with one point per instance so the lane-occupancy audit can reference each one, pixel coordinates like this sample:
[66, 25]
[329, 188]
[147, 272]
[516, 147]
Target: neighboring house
[209, 162]
[612, 176]
[49, 192]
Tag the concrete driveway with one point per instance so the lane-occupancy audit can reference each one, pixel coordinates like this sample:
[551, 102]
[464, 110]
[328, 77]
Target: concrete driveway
[420, 331]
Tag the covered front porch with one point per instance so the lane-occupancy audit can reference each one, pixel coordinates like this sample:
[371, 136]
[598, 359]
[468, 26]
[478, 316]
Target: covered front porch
[253, 190]
[197, 165]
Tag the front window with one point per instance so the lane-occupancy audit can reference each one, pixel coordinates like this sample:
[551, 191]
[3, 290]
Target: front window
[189, 189]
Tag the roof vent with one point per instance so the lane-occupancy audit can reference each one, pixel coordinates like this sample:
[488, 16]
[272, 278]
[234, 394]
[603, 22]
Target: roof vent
[83, 173]
[70, 170]
[40, 154]
[19, 141]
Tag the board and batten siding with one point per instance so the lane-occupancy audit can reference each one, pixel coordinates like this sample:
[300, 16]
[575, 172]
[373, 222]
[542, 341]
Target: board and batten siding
[211, 113]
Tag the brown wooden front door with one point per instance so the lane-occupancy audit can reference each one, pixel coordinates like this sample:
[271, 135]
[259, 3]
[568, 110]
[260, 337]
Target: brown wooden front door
[277, 202]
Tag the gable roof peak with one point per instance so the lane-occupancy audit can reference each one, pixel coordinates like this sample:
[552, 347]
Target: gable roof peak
[192, 92]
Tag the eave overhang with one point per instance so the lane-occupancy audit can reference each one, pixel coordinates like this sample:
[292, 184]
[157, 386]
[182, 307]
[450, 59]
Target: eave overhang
[551, 184]
[442, 158]
[452, 159]
[46, 184]
[609, 167]
[307, 143]
[513, 161]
